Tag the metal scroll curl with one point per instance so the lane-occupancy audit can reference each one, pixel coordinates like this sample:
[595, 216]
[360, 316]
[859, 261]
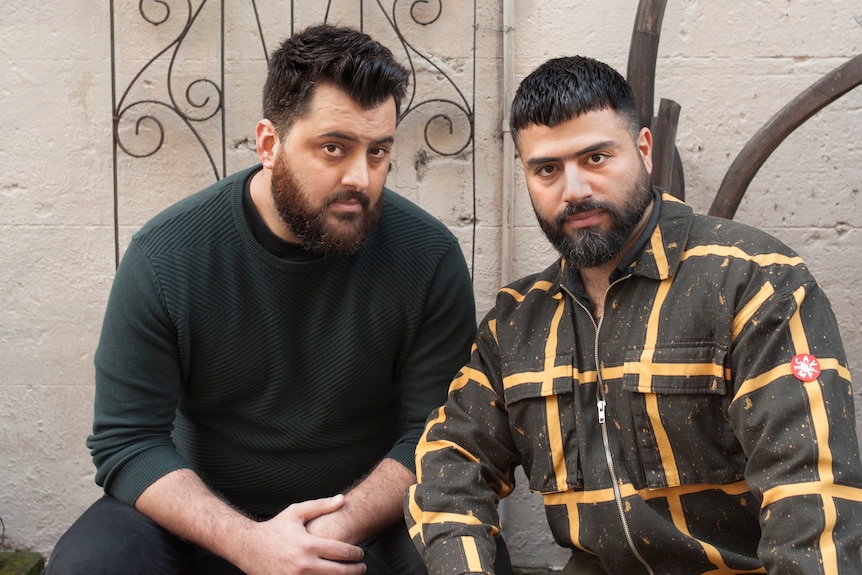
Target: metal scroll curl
[148, 121]
[422, 15]
[440, 129]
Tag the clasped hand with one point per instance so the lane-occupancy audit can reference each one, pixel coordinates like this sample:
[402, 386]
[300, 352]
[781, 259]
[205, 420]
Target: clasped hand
[293, 543]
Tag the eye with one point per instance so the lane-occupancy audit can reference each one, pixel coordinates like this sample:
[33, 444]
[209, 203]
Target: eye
[332, 149]
[545, 171]
[379, 152]
[596, 159]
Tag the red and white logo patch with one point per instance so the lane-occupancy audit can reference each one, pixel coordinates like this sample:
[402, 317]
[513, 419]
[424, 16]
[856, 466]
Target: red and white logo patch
[805, 367]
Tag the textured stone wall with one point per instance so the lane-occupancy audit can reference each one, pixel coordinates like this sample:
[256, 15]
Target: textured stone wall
[730, 65]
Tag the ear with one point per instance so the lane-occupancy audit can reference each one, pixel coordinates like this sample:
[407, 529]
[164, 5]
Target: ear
[645, 148]
[267, 143]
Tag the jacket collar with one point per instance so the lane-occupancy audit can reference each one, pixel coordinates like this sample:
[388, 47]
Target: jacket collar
[659, 257]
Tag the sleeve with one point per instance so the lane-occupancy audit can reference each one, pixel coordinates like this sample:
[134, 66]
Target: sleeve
[465, 463]
[793, 415]
[440, 348]
[138, 380]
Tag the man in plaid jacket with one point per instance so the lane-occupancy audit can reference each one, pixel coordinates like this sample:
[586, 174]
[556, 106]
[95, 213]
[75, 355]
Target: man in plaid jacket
[675, 385]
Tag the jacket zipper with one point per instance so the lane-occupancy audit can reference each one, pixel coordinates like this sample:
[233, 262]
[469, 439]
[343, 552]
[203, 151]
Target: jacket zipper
[601, 404]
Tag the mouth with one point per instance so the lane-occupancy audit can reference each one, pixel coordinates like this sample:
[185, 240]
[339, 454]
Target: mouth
[583, 220]
[347, 206]
[348, 203]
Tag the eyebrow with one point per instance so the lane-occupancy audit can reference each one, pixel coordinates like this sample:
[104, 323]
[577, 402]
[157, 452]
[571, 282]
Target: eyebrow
[533, 162]
[352, 138]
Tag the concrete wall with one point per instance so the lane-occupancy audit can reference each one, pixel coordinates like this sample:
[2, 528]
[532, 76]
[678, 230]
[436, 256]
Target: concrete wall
[731, 65]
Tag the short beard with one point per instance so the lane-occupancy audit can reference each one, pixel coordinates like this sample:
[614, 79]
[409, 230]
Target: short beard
[588, 248]
[309, 223]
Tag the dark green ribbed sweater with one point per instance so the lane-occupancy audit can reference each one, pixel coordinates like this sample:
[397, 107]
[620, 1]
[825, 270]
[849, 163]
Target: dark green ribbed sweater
[277, 381]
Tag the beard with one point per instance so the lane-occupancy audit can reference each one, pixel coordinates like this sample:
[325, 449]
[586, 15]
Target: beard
[591, 247]
[311, 223]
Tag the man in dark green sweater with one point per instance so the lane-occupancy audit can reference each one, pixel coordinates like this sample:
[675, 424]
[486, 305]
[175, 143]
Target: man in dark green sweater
[273, 345]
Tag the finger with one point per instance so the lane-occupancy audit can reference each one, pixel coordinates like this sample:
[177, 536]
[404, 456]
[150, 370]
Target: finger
[335, 558]
[337, 551]
[331, 568]
[308, 510]
[324, 567]
[355, 569]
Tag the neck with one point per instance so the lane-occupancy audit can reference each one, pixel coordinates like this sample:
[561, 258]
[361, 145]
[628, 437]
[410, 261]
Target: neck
[596, 279]
[596, 283]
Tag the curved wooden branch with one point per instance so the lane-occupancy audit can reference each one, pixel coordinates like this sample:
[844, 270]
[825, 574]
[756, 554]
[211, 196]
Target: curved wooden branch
[749, 160]
[664, 147]
[678, 183]
[643, 52]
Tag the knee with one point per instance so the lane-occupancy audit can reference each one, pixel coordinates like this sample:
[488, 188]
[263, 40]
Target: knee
[112, 537]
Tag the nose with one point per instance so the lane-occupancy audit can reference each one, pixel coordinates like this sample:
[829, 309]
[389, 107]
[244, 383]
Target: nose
[356, 175]
[578, 187]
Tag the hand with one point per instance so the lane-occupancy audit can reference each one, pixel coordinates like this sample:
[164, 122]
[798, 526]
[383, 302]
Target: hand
[284, 545]
[334, 525]
[371, 505]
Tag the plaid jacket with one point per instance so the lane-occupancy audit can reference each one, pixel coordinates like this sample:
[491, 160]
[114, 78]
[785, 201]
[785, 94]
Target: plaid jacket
[704, 425]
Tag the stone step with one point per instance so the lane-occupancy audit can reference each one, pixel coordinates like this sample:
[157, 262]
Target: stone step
[29, 563]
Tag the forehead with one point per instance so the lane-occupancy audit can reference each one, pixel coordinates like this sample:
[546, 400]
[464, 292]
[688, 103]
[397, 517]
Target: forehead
[331, 109]
[580, 132]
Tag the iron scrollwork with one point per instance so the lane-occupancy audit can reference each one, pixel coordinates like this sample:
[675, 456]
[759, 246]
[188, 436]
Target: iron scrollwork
[203, 98]
[196, 101]
[462, 106]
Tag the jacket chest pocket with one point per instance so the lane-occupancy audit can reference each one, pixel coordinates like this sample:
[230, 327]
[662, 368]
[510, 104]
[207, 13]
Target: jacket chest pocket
[679, 402]
[542, 420]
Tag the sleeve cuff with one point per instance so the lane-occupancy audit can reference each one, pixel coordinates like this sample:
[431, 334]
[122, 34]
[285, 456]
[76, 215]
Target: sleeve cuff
[133, 478]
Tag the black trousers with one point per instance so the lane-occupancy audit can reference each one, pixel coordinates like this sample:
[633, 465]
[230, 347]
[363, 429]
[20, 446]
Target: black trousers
[112, 538]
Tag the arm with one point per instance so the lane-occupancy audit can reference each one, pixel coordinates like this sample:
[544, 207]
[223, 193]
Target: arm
[183, 505]
[438, 350]
[374, 503]
[138, 382]
[440, 346]
[798, 436]
[465, 461]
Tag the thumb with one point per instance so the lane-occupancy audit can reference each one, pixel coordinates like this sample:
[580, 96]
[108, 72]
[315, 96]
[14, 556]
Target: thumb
[308, 510]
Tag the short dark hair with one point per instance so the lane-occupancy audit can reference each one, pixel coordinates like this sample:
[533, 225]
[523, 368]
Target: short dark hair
[564, 88]
[349, 59]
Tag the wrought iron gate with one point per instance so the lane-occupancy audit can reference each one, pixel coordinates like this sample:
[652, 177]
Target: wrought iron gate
[175, 65]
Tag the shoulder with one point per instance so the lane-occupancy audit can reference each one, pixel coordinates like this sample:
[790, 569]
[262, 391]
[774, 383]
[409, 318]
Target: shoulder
[531, 291]
[733, 253]
[546, 281]
[705, 233]
[197, 219]
[407, 219]
[405, 229]
[719, 232]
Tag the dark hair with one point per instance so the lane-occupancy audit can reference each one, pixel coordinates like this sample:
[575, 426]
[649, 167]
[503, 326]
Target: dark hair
[564, 88]
[344, 57]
